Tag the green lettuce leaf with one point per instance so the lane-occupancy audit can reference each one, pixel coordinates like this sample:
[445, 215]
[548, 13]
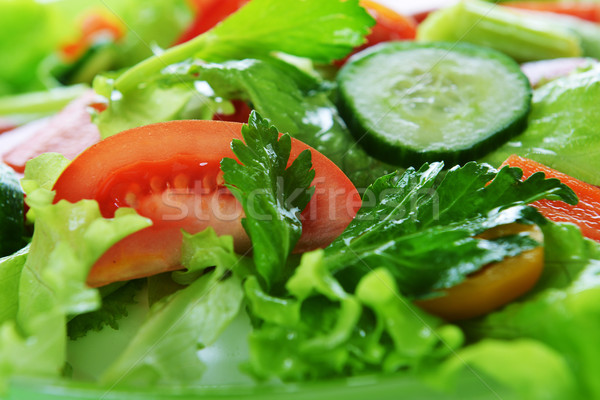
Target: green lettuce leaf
[562, 131]
[67, 240]
[272, 194]
[521, 369]
[563, 312]
[421, 225]
[29, 31]
[295, 102]
[319, 330]
[43, 27]
[10, 275]
[162, 352]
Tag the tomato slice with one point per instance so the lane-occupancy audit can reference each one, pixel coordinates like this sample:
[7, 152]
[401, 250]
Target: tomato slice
[389, 25]
[494, 285]
[170, 172]
[69, 132]
[208, 14]
[585, 214]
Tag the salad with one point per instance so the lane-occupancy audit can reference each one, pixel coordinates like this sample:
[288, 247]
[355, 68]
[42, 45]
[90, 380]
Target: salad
[321, 198]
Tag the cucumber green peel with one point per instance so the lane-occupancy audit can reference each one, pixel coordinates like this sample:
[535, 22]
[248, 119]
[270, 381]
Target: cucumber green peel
[433, 101]
[12, 228]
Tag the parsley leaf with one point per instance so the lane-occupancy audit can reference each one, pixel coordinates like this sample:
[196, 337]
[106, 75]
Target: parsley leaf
[114, 307]
[422, 224]
[272, 194]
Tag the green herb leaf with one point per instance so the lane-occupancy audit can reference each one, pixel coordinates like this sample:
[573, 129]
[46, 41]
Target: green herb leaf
[422, 224]
[321, 30]
[114, 307]
[272, 194]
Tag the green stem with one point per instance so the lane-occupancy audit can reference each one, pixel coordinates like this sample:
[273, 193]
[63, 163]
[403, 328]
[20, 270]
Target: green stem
[134, 75]
[41, 102]
[520, 35]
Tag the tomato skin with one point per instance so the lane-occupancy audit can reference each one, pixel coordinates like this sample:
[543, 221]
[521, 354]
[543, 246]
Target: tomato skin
[92, 26]
[389, 24]
[241, 113]
[585, 214]
[494, 285]
[69, 133]
[208, 14]
[156, 249]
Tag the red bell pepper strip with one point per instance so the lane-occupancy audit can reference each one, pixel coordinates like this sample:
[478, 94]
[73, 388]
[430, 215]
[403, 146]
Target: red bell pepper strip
[585, 214]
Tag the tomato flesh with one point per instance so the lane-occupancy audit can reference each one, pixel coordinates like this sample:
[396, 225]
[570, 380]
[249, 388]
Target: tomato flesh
[170, 173]
[494, 285]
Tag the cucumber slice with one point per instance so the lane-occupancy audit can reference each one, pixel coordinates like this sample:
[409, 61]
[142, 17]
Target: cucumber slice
[12, 224]
[408, 103]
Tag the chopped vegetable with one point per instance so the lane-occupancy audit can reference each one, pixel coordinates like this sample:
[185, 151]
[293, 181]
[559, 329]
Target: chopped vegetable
[496, 284]
[69, 133]
[436, 101]
[585, 214]
[422, 225]
[562, 128]
[542, 72]
[522, 37]
[272, 193]
[170, 173]
[584, 10]
[12, 226]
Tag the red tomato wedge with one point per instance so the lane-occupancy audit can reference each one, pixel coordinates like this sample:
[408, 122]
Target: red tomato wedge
[170, 172]
[389, 25]
[69, 132]
[583, 10]
[586, 214]
[208, 14]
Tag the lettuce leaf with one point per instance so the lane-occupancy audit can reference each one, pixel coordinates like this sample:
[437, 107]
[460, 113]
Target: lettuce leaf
[322, 331]
[519, 369]
[562, 131]
[10, 275]
[162, 352]
[67, 240]
[563, 312]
